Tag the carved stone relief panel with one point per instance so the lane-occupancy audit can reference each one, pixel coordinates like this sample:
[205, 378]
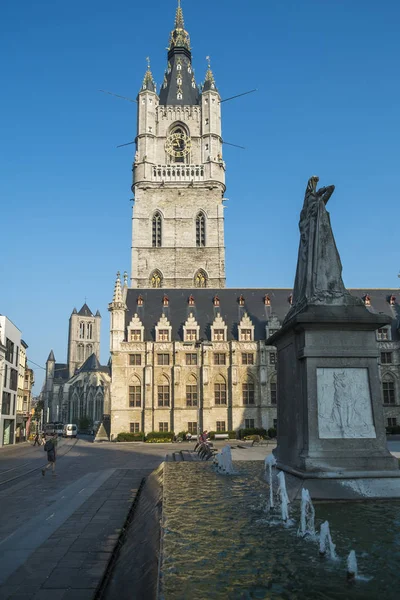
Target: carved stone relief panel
[344, 404]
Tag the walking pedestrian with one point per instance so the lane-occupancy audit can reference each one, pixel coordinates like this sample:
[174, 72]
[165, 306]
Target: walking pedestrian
[50, 448]
[37, 441]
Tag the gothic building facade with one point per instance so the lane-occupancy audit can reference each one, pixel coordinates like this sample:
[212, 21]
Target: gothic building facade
[79, 388]
[187, 353]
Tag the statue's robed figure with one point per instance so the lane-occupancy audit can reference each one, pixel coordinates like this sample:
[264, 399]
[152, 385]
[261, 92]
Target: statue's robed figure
[319, 269]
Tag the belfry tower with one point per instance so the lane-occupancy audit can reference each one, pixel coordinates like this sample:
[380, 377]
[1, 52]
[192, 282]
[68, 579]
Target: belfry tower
[178, 177]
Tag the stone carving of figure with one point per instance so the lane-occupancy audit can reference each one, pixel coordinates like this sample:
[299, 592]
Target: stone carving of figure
[319, 269]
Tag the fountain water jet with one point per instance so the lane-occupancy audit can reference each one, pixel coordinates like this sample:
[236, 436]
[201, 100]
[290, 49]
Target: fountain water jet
[352, 569]
[284, 499]
[307, 517]
[326, 546]
[223, 461]
[268, 464]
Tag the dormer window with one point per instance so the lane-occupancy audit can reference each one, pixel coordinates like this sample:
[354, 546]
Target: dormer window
[191, 301]
[382, 334]
[219, 335]
[392, 300]
[163, 335]
[163, 330]
[179, 67]
[241, 301]
[367, 300]
[165, 300]
[267, 300]
[191, 330]
[179, 96]
[136, 335]
[246, 329]
[290, 299]
[179, 81]
[140, 301]
[216, 301]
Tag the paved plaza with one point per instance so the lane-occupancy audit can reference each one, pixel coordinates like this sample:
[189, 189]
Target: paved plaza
[57, 535]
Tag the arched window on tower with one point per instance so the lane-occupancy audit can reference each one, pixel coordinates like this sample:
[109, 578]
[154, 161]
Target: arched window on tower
[89, 350]
[82, 330]
[156, 279]
[200, 279]
[200, 230]
[157, 230]
[80, 352]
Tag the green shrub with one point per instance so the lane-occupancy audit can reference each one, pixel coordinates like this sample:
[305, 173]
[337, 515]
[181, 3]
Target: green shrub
[160, 436]
[272, 432]
[252, 431]
[130, 437]
[233, 435]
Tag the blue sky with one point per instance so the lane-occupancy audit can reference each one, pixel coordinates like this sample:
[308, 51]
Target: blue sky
[327, 104]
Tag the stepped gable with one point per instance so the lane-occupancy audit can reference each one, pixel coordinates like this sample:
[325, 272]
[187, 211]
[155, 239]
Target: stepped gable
[231, 308]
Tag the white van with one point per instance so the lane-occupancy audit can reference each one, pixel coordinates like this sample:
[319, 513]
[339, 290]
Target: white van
[70, 430]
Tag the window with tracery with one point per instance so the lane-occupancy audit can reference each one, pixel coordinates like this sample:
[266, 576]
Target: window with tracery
[156, 279]
[200, 279]
[157, 230]
[200, 230]
[388, 390]
[82, 330]
[248, 392]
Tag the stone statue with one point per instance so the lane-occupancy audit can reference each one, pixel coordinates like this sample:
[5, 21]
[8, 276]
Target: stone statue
[319, 269]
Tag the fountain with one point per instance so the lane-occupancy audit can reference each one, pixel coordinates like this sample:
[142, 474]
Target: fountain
[283, 497]
[352, 569]
[326, 546]
[223, 461]
[268, 464]
[307, 515]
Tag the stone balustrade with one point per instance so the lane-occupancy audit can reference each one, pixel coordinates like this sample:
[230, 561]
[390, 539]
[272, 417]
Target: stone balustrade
[177, 172]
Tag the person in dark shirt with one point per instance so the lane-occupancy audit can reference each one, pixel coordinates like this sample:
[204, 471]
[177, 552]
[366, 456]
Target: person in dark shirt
[50, 448]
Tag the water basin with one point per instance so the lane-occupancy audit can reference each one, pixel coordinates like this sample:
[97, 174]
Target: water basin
[219, 541]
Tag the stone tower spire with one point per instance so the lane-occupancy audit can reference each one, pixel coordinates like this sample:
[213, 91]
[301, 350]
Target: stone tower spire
[209, 83]
[148, 81]
[179, 86]
[117, 309]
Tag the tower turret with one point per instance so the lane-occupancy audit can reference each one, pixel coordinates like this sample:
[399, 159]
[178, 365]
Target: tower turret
[117, 309]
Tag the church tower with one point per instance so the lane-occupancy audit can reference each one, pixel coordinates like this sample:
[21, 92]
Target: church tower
[178, 177]
[83, 337]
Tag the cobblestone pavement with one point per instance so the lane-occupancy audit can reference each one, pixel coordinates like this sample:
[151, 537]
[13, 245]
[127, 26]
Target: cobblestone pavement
[57, 534]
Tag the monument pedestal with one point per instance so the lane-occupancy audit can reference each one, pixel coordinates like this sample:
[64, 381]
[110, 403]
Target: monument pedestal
[331, 431]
